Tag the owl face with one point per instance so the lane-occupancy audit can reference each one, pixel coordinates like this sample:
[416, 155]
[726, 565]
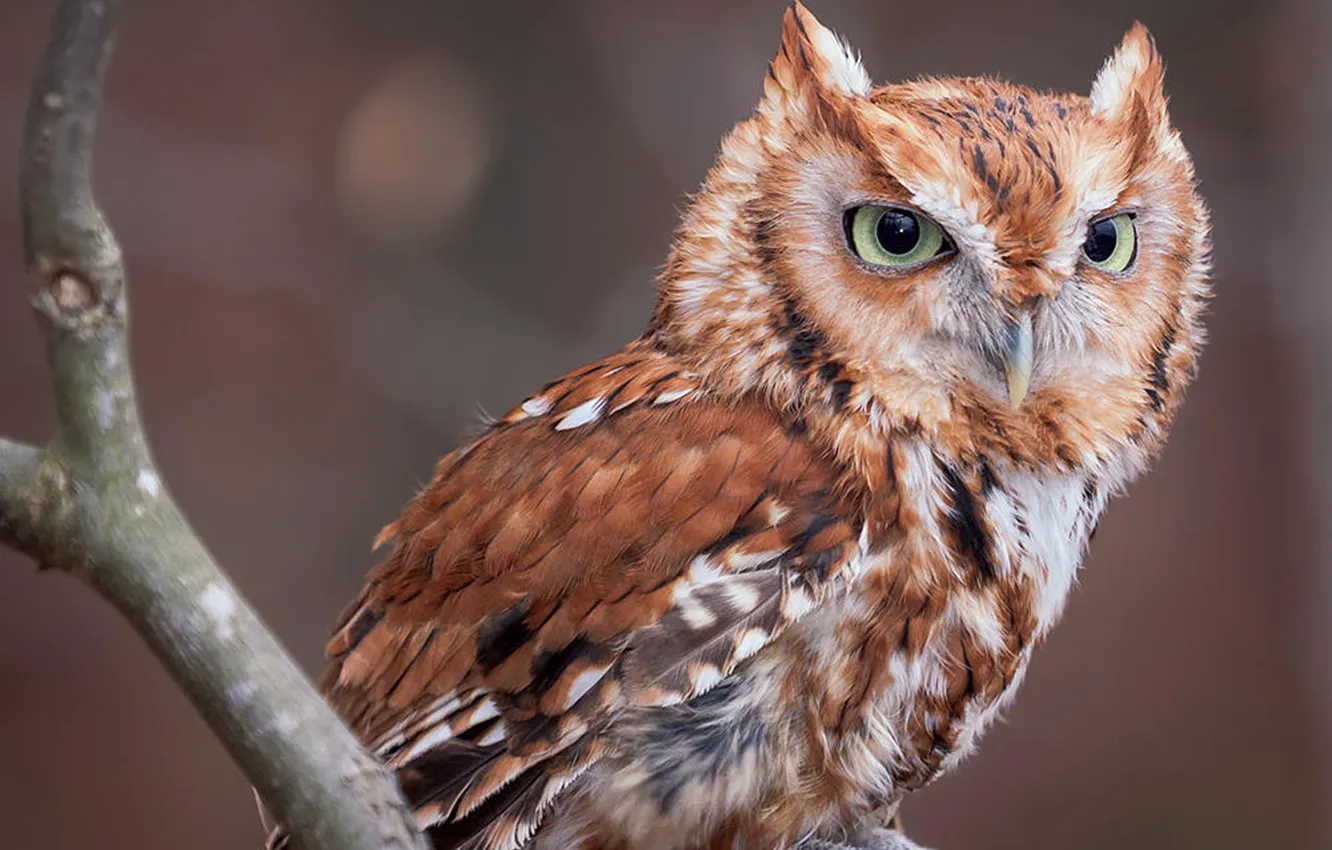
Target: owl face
[981, 259]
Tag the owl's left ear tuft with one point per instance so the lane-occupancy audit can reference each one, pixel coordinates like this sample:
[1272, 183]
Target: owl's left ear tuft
[1135, 74]
[812, 63]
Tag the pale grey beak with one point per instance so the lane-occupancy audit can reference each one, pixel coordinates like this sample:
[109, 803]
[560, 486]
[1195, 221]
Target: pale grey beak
[1018, 359]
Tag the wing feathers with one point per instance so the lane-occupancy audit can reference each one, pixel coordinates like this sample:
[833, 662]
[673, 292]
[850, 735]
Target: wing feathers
[618, 540]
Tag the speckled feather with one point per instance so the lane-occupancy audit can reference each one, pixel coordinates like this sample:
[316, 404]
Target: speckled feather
[779, 562]
[632, 559]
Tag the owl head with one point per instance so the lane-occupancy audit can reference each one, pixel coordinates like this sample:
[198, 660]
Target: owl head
[998, 268]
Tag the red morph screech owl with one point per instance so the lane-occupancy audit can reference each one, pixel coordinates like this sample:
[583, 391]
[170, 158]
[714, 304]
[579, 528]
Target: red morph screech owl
[751, 580]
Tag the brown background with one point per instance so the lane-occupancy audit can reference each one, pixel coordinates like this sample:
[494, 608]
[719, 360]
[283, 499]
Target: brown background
[350, 224]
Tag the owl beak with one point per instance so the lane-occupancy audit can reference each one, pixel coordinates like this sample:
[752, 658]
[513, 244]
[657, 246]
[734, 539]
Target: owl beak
[1018, 359]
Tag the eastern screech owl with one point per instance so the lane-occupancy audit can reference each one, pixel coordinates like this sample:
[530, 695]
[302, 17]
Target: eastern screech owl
[752, 579]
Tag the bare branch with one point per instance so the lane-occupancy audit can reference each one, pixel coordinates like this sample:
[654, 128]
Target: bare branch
[92, 502]
[18, 468]
[74, 262]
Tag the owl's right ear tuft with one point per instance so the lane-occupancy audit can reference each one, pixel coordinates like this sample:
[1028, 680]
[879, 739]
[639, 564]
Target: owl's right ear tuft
[1133, 76]
[813, 68]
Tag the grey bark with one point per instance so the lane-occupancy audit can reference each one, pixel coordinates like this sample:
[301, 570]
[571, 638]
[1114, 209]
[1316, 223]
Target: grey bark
[92, 503]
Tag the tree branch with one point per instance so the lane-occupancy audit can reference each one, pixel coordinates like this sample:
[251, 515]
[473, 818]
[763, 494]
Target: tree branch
[92, 503]
[18, 465]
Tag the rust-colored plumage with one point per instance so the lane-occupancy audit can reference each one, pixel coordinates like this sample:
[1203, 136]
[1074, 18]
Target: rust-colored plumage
[751, 580]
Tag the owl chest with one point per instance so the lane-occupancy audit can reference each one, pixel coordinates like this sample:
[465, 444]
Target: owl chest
[935, 637]
[869, 696]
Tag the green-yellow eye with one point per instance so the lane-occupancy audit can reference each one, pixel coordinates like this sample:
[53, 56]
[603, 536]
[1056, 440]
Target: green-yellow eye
[1112, 243]
[894, 236]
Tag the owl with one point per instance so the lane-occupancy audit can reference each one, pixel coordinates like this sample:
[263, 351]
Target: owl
[751, 580]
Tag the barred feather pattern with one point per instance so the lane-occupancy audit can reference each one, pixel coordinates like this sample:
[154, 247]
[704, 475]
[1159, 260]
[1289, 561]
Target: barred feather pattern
[641, 555]
[759, 575]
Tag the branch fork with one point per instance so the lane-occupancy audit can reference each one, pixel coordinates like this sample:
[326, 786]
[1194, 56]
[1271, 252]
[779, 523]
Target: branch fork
[92, 503]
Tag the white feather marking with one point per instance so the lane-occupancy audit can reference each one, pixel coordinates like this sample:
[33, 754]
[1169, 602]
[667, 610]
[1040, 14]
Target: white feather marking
[797, 603]
[584, 414]
[922, 484]
[705, 677]
[483, 712]
[582, 683]
[658, 698]
[977, 614]
[1002, 513]
[436, 713]
[695, 614]
[430, 739]
[1058, 522]
[750, 642]
[536, 406]
[740, 561]
[672, 395]
[390, 741]
[445, 705]
[855, 565]
[497, 733]
[702, 570]
[560, 781]
[743, 595]
[554, 786]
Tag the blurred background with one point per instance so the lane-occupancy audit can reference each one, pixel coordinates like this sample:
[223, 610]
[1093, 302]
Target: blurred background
[350, 226]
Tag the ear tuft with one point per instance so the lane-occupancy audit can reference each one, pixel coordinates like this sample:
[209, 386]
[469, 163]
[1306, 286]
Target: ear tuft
[1134, 71]
[838, 65]
[814, 60]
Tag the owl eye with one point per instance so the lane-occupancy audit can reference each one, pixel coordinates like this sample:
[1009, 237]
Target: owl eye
[1112, 243]
[894, 237]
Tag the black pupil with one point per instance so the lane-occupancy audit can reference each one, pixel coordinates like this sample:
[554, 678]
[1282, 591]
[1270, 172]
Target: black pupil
[898, 232]
[1101, 240]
